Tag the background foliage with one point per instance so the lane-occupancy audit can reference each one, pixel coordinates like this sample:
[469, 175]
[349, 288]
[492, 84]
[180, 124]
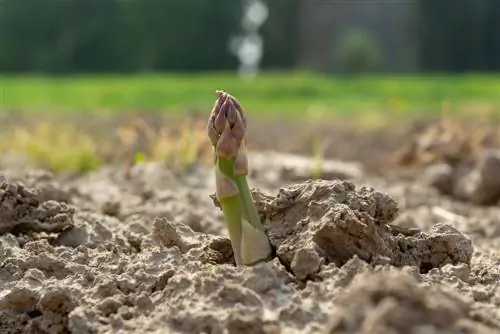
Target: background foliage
[64, 36]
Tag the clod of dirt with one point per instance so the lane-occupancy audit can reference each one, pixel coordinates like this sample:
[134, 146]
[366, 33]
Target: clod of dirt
[440, 176]
[224, 299]
[305, 263]
[45, 306]
[477, 183]
[47, 187]
[276, 168]
[250, 324]
[445, 140]
[94, 230]
[111, 208]
[22, 212]
[207, 248]
[332, 221]
[13, 322]
[480, 184]
[394, 302]
[150, 191]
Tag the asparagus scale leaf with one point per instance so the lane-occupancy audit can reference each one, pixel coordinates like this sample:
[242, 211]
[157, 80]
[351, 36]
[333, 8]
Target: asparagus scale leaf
[226, 130]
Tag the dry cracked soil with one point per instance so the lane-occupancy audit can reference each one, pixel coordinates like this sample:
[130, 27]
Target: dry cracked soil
[146, 251]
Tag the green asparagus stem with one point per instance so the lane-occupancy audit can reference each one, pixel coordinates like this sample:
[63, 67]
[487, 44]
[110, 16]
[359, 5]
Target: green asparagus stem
[230, 204]
[226, 130]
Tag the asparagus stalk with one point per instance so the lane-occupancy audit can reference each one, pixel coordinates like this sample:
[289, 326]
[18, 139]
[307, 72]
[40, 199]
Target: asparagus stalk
[226, 130]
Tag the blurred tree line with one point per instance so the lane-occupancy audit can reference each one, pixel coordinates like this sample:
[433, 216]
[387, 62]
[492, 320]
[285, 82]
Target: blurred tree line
[459, 35]
[62, 36]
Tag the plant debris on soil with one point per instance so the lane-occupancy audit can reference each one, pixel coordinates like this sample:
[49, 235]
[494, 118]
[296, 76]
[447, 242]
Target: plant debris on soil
[145, 250]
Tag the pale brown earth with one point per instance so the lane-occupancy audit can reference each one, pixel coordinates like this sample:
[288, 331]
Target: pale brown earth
[146, 251]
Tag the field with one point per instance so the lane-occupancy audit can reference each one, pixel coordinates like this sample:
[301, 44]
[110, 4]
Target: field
[269, 95]
[380, 199]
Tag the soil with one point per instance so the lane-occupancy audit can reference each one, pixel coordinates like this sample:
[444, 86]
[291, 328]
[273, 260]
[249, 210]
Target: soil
[145, 250]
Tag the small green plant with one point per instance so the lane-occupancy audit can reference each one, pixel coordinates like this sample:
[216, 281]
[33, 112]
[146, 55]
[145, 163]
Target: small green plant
[184, 147]
[179, 145]
[226, 130]
[139, 158]
[318, 158]
[58, 147]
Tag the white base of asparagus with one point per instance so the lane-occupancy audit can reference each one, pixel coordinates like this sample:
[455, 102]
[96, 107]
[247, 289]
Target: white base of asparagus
[255, 246]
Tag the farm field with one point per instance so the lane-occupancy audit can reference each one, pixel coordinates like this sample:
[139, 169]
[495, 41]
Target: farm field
[379, 196]
[276, 94]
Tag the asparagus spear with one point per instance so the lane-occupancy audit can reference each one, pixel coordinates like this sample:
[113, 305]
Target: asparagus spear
[226, 130]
